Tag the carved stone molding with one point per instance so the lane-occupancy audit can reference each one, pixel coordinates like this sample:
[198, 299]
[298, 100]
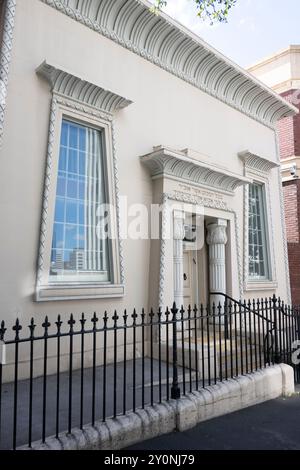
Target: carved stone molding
[48, 172]
[263, 178]
[175, 164]
[5, 56]
[178, 226]
[216, 240]
[178, 235]
[189, 199]
[67, 90]
[256, 163]
[167, 44]
[200, 200]
[162, 268]
[216, 234]
[65, 84]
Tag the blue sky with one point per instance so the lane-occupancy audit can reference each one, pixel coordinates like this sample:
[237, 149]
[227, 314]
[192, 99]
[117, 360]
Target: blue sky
[255, 29]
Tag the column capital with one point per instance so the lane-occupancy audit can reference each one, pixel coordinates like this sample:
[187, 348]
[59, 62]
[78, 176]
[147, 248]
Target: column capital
[216, 233]
[178, 225]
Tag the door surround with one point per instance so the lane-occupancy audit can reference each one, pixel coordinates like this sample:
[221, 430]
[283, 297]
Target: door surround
[213, 209]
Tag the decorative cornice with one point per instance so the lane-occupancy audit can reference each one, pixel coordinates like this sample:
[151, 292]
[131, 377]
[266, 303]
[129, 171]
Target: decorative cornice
[164, 162]
[169, 45]
[257, 163]
[5, 56]
[66, 84]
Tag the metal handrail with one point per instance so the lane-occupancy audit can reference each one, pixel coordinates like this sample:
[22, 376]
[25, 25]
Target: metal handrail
[244, 306]
[241, 304]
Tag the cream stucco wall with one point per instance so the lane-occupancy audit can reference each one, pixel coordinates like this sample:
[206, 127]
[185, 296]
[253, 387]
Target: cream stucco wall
[281, 71]
[165, 110]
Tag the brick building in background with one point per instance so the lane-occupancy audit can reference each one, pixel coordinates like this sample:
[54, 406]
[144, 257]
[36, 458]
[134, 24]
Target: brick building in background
[281, 72]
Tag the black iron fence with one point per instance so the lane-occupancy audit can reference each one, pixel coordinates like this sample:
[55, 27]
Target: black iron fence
[54, 377]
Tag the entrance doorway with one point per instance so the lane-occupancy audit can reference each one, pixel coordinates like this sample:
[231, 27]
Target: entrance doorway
[189, 294]
[195, 276]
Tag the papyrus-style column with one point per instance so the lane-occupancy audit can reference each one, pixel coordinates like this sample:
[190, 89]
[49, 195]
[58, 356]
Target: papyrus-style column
[216, 240]
[178, 236]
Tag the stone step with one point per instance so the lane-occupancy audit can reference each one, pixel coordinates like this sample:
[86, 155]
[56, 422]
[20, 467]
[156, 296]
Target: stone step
[188, 358]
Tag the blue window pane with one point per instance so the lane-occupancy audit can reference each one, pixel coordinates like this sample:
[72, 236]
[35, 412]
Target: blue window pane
[71, 212]
[59, 210]
[57, 260]
[53, 256]
[63, 159]
[81, 215]
[64, 133]
[67, 256]
[82, 159]
[58, 236]
[81, 188]
[79, 192]
[61, 186]
[82, 139]
[70, 237]
[81, 237]
[72, 188]
[73, 137]
[73, 161]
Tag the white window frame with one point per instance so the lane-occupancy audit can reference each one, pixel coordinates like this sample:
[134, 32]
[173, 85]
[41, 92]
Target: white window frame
[264, 230]
[62, 108]
[270, 282]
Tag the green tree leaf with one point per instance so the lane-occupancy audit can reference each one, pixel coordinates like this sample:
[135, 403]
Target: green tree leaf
[215, 11]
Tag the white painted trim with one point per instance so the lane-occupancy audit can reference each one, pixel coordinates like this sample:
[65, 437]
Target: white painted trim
[256, 173]
[256, 163]
[79, 292]
[103, 118]
[5, 56]
[283, 227]
[208, 203]
[172, 164]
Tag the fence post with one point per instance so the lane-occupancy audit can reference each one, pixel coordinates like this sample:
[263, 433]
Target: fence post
[275, 320]
[175, 390]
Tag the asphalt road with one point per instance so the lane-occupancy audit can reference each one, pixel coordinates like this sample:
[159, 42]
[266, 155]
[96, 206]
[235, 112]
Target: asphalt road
[274, 425]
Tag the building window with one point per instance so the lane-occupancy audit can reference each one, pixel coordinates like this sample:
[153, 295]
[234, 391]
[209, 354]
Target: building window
[258, 250]
[79, 253]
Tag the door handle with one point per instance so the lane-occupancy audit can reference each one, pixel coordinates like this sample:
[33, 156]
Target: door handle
[184, 277]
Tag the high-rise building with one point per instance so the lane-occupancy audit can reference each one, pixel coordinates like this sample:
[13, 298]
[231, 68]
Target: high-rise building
[78, 260]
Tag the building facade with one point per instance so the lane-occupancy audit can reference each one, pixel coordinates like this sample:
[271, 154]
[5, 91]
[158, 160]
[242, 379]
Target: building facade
[281, 72]
[106, 105]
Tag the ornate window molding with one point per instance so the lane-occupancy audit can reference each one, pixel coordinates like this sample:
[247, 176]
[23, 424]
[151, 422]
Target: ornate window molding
[256, 164]
[178, 165]
[258, 169]
[87, 103]
[181, 166]
[5, 56]
[169, 45]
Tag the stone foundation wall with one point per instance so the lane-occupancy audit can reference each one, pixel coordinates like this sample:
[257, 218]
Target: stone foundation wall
[180, 415]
